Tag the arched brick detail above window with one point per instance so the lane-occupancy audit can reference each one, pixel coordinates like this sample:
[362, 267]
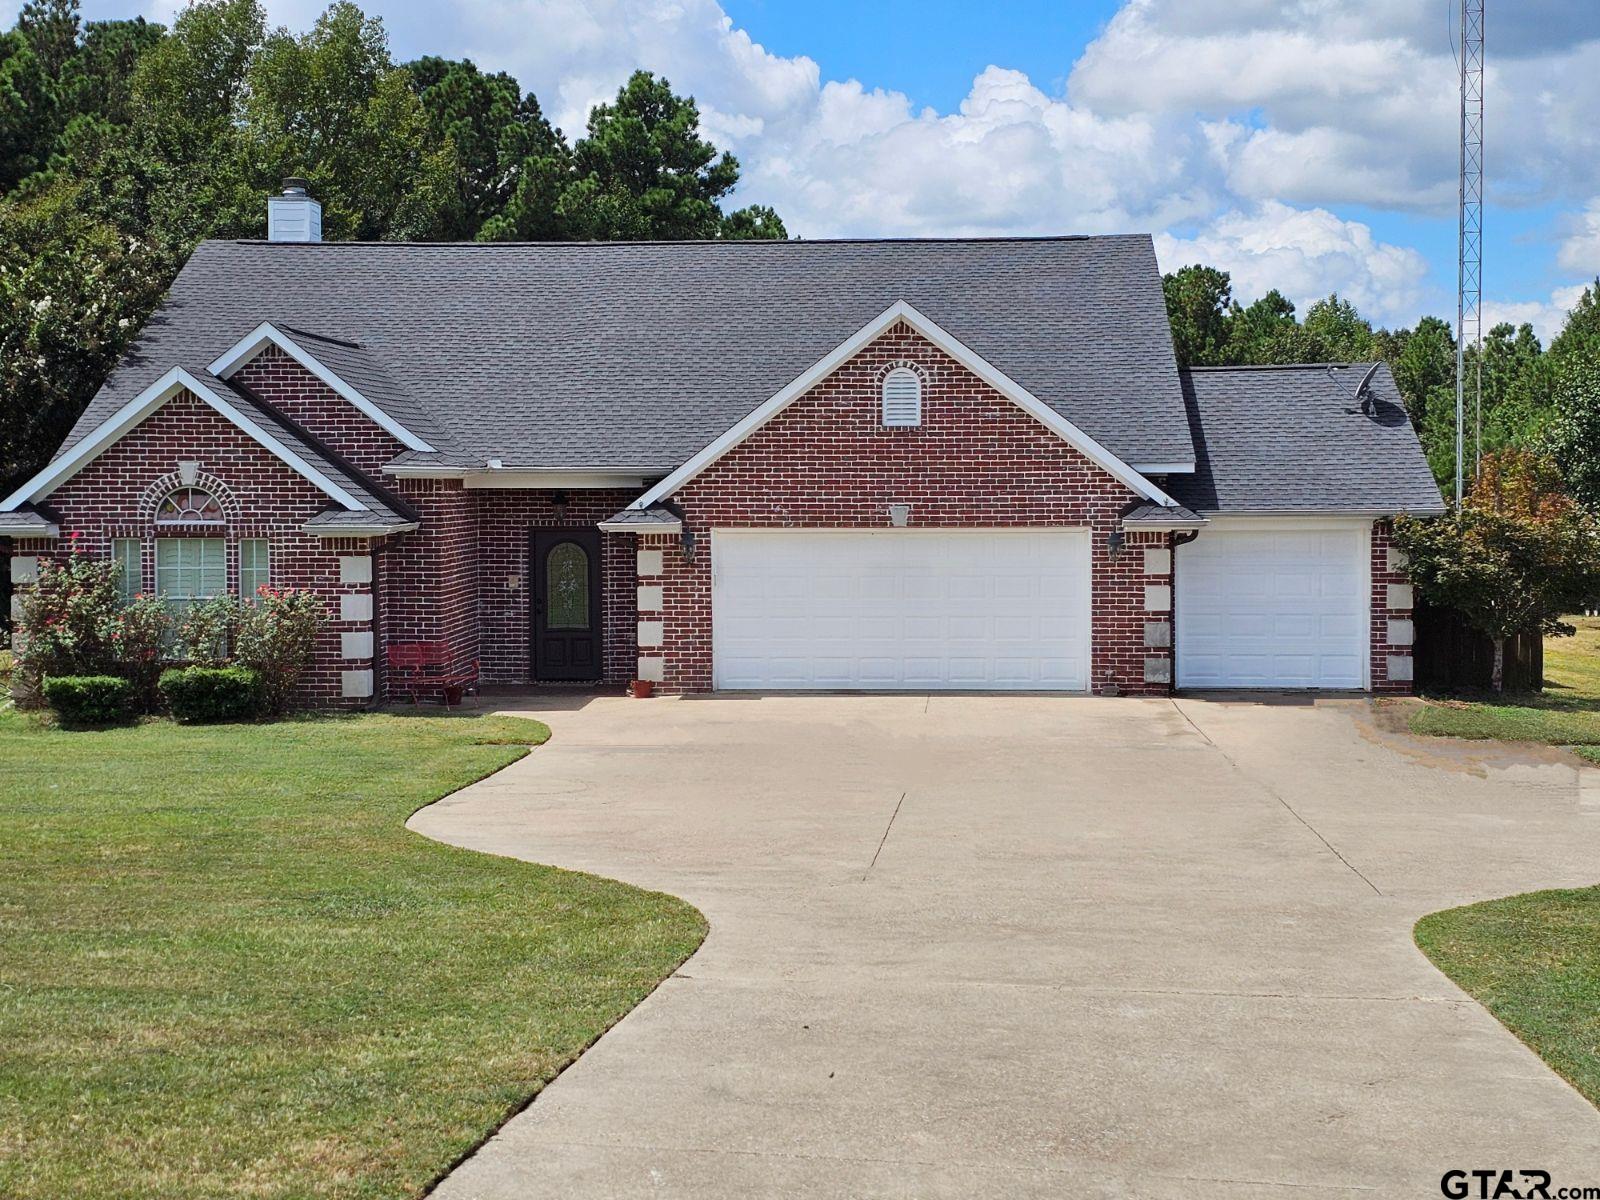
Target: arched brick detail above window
[158, 491]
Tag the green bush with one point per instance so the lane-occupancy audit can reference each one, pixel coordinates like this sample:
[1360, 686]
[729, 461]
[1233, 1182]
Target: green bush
[206, 630]
[277, 635]
[206, 694]
[89, 700]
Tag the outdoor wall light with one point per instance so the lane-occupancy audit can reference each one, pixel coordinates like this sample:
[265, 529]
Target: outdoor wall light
[899, 515]
[1114, 543]
[686, 539]
[558, 505]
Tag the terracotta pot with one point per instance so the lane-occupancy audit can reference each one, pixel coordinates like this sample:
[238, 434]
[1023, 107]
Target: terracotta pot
[643, 689]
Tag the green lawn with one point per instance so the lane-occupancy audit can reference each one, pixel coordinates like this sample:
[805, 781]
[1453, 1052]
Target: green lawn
[226, 969]
[1566, 714]
[1534, 962]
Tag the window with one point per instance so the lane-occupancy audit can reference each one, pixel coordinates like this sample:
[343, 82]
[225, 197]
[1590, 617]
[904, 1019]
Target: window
[254, 572]
[125, 552]
[189, 506]
[189, 570]
[566, 573]
[902, 397]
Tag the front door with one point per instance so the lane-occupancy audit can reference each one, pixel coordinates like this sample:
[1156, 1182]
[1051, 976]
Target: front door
[566, 604]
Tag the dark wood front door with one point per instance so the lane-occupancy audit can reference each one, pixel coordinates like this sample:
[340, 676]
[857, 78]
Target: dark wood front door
[566, 604]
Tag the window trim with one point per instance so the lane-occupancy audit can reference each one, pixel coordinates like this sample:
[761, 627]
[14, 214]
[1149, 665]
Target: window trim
[263, 569]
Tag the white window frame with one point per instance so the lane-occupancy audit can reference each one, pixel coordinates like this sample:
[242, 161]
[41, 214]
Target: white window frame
[259, 572]
[178, 602]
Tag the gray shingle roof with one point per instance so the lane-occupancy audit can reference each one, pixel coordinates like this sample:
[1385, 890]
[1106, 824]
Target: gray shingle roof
[1294, 439]
[1156, 516]
[636, 355]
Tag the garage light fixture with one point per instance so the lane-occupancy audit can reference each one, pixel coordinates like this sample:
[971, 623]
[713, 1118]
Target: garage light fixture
[686, 540]
[1114, 544]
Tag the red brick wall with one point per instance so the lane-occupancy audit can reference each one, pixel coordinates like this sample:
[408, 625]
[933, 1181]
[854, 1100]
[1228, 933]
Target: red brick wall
[115, 497]
[1382, 649]
[976, 460]
[307, 401]
[430, 589]
[506, 521]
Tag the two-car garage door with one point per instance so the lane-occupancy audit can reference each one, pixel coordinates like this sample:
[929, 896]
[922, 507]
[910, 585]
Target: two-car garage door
[1278, 607]
[980, 609]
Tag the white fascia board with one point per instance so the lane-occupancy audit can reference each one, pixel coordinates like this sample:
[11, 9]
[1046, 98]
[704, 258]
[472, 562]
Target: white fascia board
[265, 334]
[845, 350]
[1163, 526]
[513, 477]
[29, 531]
[141, 406]
[1183, 468]
[642, 529]
[356, 531]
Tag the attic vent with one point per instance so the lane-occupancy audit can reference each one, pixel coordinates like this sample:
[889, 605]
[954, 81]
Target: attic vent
[902, 397]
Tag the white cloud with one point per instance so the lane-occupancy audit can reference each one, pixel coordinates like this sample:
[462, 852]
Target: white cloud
[1547, 316]
[1580, 246]
[1305, 254]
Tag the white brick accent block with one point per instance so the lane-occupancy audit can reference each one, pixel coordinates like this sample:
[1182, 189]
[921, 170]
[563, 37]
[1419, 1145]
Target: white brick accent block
[355, 685]
[1402, 633]
[653, 669]
[24, 568]
[1400, 667]
[1397, 559]
[651, 634]
[355, 568]
[650, 562]
[355, 607]
[1399, 597]
[355, 645]
[1158, 562]
[1158, 598]
[650, 599]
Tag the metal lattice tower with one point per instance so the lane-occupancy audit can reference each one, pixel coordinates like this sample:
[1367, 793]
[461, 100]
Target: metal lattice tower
[1469, 275]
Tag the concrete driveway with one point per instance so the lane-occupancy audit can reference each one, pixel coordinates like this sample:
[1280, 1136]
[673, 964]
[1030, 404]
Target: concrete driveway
[989, 946]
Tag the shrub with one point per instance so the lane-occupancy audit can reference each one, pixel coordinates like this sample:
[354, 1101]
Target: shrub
[66, 622]
[139, 639]
[206, 631]
[204, 694]
[89, 700]
[276, 637]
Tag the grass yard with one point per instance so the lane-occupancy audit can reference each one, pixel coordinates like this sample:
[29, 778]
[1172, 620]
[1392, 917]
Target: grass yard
[226, 969]
[1534, 962]
[1566, 714]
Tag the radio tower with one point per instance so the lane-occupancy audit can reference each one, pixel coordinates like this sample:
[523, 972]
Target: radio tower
[1469, 274]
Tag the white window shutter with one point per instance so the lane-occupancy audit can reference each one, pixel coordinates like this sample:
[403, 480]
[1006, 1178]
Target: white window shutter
[902, 397]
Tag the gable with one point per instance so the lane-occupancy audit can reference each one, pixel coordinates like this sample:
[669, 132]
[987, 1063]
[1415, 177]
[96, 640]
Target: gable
[176, 382]
[896, 316]
[305, 399]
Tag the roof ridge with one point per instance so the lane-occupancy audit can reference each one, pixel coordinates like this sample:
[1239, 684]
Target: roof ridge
[318, 337]
[1307, 366]
[838, 241]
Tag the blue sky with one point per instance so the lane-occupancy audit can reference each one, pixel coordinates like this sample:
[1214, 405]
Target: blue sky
[1308, 146]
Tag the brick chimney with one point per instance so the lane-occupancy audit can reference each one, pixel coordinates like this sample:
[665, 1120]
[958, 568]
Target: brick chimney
[293, 216]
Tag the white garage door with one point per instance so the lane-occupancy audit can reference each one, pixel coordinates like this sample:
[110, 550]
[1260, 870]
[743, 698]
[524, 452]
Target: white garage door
[901, 609]
[1280, 608]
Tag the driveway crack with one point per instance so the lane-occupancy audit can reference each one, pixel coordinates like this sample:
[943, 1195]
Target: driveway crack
[884, 838]
[1232, 762]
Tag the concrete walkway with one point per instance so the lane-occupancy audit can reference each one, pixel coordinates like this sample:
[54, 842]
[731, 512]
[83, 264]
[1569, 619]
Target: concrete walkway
[1013, 947]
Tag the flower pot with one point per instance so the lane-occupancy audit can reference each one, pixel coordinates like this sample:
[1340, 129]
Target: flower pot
[643, 689]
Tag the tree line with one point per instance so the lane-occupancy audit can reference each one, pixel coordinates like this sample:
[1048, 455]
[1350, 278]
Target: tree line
[123, 144]
[1542, 400]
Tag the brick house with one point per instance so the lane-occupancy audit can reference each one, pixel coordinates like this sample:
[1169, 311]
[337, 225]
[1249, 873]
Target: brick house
[967, 464]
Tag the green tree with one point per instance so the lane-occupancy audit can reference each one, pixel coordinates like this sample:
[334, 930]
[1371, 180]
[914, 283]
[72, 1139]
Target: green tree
[1198, 299]
[330, 106]
[1512, 559]
[1574, 434]
[1256, 329]
[1581, 332]
[1341, 332]
[1423, 362]
[500, 138]
[755, 223]
[644, 171]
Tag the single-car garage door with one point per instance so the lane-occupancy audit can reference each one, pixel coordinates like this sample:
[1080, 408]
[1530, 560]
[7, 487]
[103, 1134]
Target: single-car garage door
[901, 609]
[1285, 607]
